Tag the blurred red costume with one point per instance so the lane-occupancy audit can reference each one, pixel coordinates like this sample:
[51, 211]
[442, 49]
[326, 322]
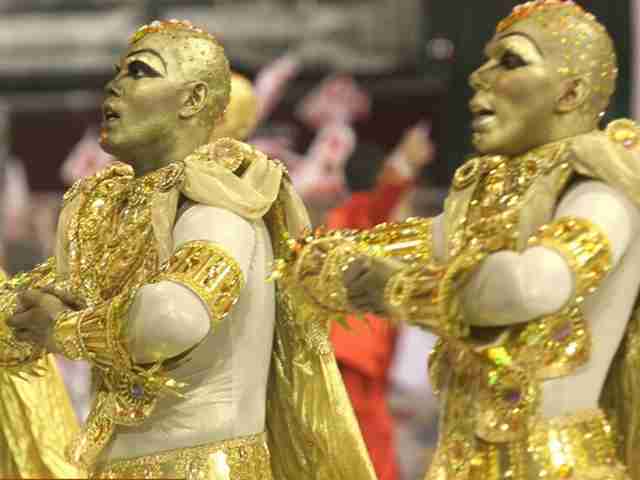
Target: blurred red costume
[364, 351]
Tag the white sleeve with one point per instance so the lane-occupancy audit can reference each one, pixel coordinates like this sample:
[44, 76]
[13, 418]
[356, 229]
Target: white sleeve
[513, 288]
[166, 318]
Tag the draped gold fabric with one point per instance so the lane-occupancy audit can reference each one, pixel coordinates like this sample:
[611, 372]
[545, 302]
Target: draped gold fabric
[599, 157]
[36, 424]
[312, 430]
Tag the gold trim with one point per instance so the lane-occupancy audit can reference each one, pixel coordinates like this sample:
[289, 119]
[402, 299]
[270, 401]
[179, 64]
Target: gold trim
[241, 458]
[579, 446]
[210, 272]
[584, 246]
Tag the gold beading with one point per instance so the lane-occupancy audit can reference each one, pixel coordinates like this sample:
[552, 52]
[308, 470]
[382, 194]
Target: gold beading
[585, 248]
[244, 458]
[210, 272]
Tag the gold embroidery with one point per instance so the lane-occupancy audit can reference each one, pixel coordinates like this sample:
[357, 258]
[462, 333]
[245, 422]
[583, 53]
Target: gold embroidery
[244, 458]
[467, 173]
[208, 271]
[112, 251]
[555, 345]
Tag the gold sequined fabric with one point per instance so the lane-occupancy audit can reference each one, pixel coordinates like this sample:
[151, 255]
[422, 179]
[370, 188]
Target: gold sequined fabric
[36, 424]
[244, 458]
[580, 446]
[312, 430]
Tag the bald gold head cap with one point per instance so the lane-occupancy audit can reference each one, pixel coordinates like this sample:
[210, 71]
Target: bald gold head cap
[586, 48]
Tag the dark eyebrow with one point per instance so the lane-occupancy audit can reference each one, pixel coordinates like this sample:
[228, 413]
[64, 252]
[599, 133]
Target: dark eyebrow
[521, 34]
[153, 52]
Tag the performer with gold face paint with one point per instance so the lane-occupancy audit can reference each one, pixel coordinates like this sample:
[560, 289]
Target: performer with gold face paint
[205, 370]
[530, 277]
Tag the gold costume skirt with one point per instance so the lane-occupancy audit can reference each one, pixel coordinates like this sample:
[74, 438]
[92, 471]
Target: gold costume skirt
[36, 424]
[576, 447]
[245, 458]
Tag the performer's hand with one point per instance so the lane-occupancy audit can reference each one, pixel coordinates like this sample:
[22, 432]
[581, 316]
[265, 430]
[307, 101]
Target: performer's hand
[365, 280]
[35, 317]
[418, 147]
[312, 259]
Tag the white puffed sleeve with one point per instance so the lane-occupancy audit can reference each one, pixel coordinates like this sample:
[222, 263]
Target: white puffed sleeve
[168, 318]
[511, 287]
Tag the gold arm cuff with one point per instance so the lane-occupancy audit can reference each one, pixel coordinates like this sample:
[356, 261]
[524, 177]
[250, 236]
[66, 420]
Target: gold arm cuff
[128, 393]
[67, 337]
[428, 295]
[94, 334]
[210, 272]
[408, 241]
[323, 258]
[585, 248]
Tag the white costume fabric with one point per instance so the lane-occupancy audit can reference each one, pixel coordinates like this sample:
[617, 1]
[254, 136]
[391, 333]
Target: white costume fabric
[227, 370]
[511, 288]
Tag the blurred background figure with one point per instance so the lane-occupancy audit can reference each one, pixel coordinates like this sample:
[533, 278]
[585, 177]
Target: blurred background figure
[85, 159]
[411, 398]
[364, 349]
[365, 101]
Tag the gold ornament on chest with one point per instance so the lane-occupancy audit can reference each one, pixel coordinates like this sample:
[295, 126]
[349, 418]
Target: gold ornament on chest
[112, 233]
[493, 211]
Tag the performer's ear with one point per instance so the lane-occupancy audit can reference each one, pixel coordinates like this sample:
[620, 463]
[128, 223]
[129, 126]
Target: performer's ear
[195, 99]
[575, 93]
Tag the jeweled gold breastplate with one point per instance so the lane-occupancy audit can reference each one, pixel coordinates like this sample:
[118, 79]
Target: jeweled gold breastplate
[502, 376]
[111, 242]
[491, 217]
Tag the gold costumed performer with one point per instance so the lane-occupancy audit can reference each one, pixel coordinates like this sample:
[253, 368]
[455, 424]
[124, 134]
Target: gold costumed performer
[205, 370]
[530, 277]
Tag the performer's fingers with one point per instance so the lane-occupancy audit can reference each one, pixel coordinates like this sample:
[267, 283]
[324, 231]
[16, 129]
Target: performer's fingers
[28, 299]
[356, 270]
[65, 297]
[21, 320]
[359, 300]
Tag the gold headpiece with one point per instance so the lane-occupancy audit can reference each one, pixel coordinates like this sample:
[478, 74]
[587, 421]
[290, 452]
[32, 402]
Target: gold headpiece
[525, 10]
[169, 26]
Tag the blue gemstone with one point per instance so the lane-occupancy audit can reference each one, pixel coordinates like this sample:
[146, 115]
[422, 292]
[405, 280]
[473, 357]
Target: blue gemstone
[137, 391]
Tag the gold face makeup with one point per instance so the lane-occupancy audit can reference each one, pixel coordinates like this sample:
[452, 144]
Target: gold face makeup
[171, 86]
[537, 55]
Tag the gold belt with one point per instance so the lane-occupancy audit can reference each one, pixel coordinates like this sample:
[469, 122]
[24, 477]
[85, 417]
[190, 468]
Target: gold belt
[580, 446]
[245, 458]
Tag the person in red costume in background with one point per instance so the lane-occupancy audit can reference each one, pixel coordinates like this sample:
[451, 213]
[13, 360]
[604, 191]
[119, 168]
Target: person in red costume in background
[364, 350]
